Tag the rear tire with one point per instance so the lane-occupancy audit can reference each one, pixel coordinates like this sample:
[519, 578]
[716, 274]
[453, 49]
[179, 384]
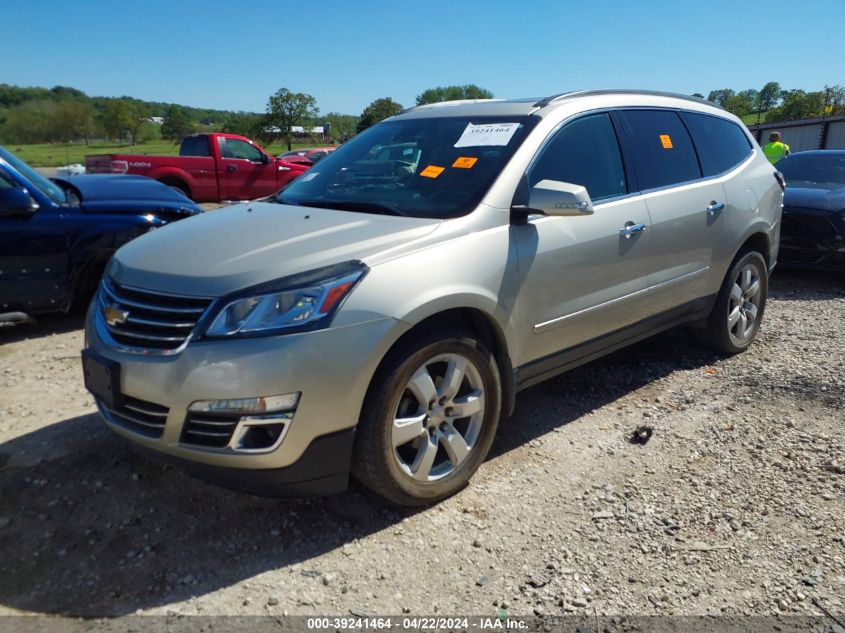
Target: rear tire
[736, 316]
[429, 419]
[178, 186]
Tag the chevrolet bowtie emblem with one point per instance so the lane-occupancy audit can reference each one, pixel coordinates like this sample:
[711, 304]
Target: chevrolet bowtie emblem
[114, 315]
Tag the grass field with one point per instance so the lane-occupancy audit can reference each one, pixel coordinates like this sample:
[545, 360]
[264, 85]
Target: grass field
[57, 154]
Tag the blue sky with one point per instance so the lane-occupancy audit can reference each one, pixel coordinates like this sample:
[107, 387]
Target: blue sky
[233, 54]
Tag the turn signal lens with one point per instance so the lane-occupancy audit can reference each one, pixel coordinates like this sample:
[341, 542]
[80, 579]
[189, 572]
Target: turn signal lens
[263, 404]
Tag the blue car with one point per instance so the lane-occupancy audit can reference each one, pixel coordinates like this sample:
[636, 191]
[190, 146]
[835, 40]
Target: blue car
[813, 230]
[56, 236]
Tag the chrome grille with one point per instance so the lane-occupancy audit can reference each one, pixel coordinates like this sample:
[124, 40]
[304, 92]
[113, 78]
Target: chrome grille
[139, 416]
[209, 430]
[148, 320]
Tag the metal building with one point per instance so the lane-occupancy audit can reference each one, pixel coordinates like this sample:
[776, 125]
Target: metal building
[820, 133]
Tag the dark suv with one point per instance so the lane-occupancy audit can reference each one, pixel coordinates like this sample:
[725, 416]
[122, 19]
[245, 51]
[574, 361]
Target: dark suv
[56, 236]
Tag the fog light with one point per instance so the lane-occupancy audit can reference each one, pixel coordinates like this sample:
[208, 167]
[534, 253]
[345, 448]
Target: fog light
[266, 404]
[261, 433]
[260, 436]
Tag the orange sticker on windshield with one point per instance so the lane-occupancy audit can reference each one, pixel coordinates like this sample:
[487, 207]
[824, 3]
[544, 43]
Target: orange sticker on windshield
[464, 162]
[432, 171]
[666, 140]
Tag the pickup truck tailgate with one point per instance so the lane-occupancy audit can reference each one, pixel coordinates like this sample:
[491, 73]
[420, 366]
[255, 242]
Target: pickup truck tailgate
[100, 164]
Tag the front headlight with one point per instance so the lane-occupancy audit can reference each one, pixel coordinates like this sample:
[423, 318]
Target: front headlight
[302, 302]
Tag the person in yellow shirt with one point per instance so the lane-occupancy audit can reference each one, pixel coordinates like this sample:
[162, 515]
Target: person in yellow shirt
[775, 149]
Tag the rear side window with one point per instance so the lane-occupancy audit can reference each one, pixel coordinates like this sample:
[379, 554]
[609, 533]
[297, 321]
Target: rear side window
[194, 146]
[662, 148]
[584, 152]
[721, 144]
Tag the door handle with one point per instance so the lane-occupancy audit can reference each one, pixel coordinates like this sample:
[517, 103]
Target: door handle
[630, 228]
[231, 168]
[714, 207]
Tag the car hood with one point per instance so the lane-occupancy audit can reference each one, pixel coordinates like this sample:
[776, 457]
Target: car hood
[227, 250]
[114, 193]
[820, 197]
[297, 163]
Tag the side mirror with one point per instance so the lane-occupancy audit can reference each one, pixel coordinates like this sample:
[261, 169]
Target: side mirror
[266, 159]
[16, 201]
[552, 197]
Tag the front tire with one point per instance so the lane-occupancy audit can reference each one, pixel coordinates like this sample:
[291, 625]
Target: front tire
[429, 419]
[736, 316]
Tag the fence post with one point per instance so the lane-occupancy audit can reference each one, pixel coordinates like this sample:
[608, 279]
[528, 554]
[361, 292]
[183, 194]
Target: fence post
[823, 134]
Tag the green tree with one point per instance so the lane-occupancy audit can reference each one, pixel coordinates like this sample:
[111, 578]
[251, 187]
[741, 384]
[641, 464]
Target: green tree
[720, 96]
[834, 96]
[797, 104]
[66, 92]
[117, 119]
[177, 124]
[125, 118]
[697, 94]
[73, 119]
[139, 128]
[742, 103]
[342, 125]
[243, 123]
[453, 93]
[378, 110]
[29, 122]
[286, 109]
[768, 96]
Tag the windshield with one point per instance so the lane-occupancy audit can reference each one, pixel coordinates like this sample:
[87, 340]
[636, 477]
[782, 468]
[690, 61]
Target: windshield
[437, 167]
[815, 169]
[47, 187]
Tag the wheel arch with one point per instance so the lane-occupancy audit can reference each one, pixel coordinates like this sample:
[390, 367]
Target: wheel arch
[174, 177]
[757, 241]
[476, 321]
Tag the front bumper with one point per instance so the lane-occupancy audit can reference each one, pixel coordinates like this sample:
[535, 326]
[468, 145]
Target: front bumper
[323, 469]
[331, 369]
[812, 238]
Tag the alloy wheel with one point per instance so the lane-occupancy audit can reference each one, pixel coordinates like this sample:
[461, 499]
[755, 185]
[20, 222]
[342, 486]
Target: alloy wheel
[438, 420]
[744, 304]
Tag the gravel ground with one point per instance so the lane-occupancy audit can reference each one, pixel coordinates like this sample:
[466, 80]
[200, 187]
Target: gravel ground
[735, 505]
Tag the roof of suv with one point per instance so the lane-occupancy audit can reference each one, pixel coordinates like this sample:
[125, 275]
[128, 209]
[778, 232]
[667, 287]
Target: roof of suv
[525, 106]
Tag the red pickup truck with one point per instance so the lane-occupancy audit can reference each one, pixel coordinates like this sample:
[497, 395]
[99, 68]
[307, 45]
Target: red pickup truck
[209, 168]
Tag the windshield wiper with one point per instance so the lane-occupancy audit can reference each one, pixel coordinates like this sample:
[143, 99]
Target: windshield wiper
[347, 205]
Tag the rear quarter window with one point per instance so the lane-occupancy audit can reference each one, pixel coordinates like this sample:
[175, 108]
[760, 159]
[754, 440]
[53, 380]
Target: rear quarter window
[194, 146]
[721, 144]
[662, 148]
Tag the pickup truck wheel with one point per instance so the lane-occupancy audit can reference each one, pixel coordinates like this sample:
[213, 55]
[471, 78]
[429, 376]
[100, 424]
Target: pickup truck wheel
[429, 419]
[735, 320]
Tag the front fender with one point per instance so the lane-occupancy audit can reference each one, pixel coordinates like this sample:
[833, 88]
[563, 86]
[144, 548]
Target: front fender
[91, 250]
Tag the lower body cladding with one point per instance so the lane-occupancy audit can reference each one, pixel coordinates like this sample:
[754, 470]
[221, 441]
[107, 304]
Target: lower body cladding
[813, 238]
[273, 416]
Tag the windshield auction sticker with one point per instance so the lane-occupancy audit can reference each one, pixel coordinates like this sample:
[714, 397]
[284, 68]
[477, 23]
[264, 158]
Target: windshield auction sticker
[464, 162]
[487, 134]
[432, 171]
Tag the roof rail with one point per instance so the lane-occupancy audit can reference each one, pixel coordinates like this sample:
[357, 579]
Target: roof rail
[440, 104]
[625, 91]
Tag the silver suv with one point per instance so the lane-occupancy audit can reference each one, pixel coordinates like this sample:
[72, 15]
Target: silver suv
[381, 313]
